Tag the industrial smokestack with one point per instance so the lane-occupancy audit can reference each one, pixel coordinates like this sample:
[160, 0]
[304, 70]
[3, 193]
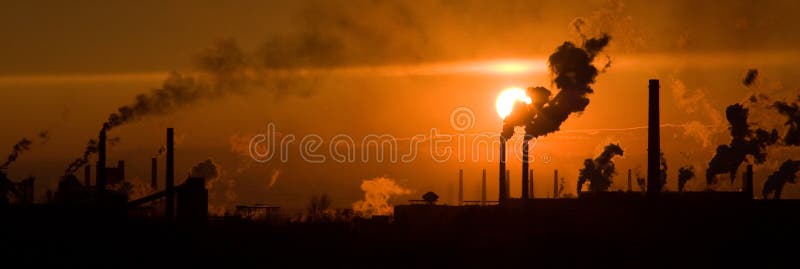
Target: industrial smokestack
[460, 187]
[154, 173]
[87, 175]
[530, 183]
[630, 187]
[170, 177]
[502, 177]
[483, 188]
[555, 184]
[525, 184]
[653, 142]
[100, 181]
[748, 182]
[508, 185]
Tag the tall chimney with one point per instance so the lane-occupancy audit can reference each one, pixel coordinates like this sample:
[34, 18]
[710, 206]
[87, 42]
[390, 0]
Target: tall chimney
[170, 177]
[100, 180]
[748, 182]
[121, 167]
[501, 197]
[525, 188]
[630, 187]
[460, 187]
[87, 175]
[530, 183]
[508, 185]
[483, 188]
[154, 173]
[653, 143]
[555, 184]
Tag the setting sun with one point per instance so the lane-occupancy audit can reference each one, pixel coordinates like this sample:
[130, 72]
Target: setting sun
[505, 100]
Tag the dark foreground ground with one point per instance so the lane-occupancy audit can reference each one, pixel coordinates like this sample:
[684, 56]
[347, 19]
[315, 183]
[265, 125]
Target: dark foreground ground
[572, 234]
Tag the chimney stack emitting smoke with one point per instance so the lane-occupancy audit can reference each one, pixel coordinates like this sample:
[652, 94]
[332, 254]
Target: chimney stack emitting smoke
[501, 196]
[170, 176]
[460, 187]
[508, 186]
[524, 191]
[653, 141]
[630, 187]
[530, 183]
[100, 180]
[483, 188]
[555, 183]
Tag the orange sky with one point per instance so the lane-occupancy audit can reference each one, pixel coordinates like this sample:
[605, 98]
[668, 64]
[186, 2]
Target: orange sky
[385, 68]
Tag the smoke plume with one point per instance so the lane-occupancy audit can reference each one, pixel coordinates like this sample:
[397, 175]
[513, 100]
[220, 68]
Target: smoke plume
[206, 169]
[792, 112]
[685, 174]
[750, 78]
[573, 73]
[600, 170]
[23, 145]
[640, 180]
[744, 142]
[377, 195]
[787, 173]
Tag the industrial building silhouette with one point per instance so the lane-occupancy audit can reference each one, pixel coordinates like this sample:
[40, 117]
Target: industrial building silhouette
[96, 225]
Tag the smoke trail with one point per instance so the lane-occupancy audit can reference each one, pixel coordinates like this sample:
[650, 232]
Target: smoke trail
[574, 73]
[787, 173]
[206, 169]
[160, 151]
[744, 142]
[377, 193]
[91, 148]
[23, 145]
[685, 174]
[600, 170]
[640, 180]
[792, 113]
[750, 78]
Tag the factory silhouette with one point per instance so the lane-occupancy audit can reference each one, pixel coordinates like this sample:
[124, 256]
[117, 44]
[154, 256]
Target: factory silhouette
[92, 222]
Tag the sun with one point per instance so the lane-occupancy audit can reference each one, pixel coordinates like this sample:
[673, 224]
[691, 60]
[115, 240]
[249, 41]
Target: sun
[507, 98]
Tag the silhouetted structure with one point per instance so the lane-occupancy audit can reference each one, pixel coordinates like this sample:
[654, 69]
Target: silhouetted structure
[483, 188]
[502, 177]
[748, 181]
[115, 175]
[653, 142]
[170, 177]
[154, 173]
[460, 186]
[525, 184]
[87, 176]
[100, 180]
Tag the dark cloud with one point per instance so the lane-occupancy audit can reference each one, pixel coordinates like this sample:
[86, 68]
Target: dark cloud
[750, 78]
[792, 112]
[787, 173]
[744, 142]
[685, 174]
[598, 172]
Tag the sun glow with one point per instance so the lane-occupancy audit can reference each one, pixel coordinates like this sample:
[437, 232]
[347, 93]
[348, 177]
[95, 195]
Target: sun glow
[507, 98]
